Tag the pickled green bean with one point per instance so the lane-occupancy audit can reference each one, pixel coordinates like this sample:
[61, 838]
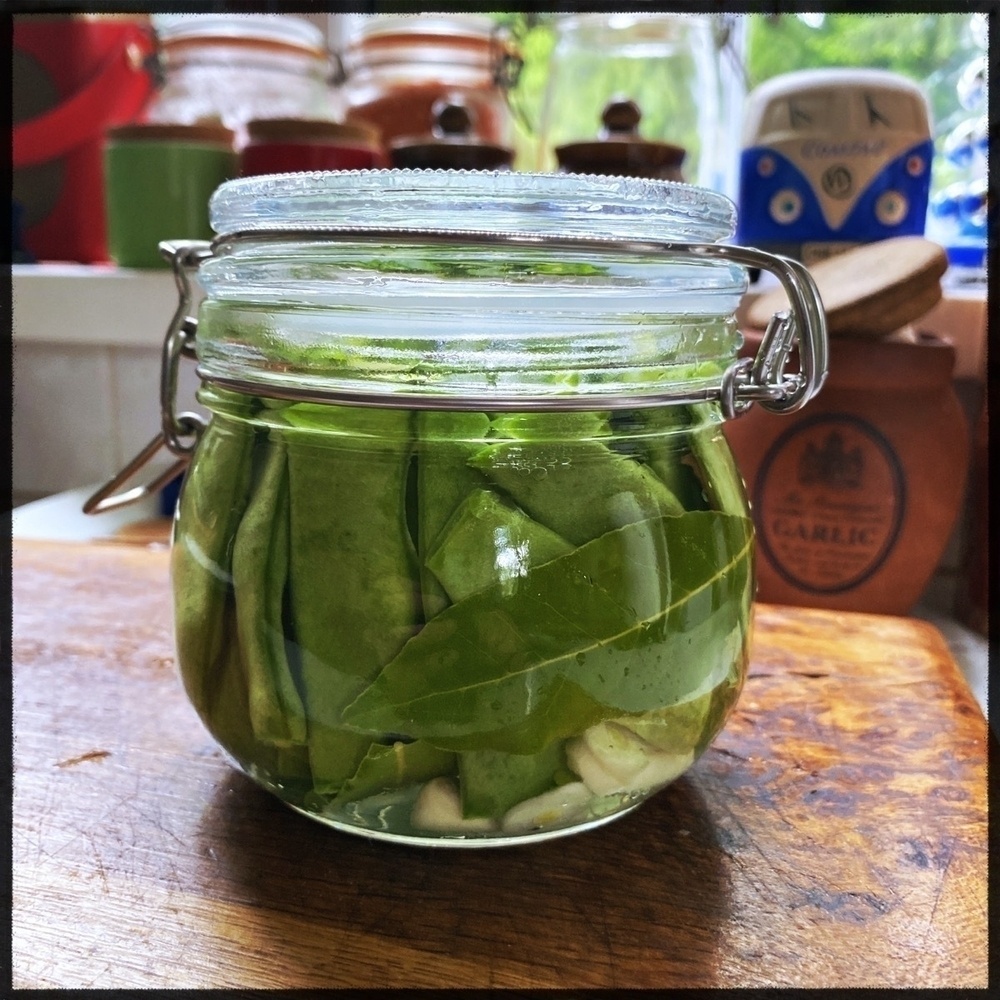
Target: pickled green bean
[446, 442]
[720, 477]
[487, 540]
[397, 766]
[352, 581]
[579, 489]
[260, 574]
[492, 781]
[215, 493]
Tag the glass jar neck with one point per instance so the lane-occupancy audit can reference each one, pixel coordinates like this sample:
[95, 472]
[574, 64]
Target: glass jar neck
[251, 54]
[470, 289]
[462, 326]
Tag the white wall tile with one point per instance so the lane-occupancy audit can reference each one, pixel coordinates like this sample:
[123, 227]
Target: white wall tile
[100, 306]
[62, 418]
[136, 393]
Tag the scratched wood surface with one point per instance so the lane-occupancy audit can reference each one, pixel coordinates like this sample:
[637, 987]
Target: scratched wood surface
[834, 835]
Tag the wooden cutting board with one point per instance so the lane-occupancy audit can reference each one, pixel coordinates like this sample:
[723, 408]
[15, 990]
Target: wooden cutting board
[834, 834]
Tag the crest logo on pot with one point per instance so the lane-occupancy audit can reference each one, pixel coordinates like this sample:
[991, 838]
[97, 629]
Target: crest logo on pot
[830, 500]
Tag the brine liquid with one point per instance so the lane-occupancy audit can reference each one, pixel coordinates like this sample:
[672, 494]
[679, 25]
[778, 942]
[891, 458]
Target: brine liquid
[457, 627]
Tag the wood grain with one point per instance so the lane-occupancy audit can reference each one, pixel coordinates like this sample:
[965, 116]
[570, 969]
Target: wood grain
[871, 289]
[834, 835]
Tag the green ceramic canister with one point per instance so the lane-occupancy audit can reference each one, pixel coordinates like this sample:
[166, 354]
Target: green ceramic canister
[462, 556]
[158, 181]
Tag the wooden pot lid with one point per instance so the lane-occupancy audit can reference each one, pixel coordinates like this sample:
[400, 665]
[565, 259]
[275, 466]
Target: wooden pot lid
[452, 144]
[207, 132]
[317, 130]
[870, 290]
[619, 150]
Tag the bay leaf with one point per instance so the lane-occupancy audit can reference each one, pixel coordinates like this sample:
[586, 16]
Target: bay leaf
[445, 441]
[632, 621]
[579, 489]
[675, 728]
[488, 541]
[384, 768]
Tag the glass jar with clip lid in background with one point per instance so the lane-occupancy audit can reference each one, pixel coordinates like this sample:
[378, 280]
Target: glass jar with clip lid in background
[684, 71]
[233, 68]
[397, 68]
[462, 557]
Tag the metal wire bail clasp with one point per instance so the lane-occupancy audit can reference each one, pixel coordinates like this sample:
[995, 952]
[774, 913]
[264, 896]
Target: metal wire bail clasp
[763, 379]
[178, 432]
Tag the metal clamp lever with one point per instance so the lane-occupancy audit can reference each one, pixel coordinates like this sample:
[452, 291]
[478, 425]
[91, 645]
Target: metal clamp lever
[107, 499]
[185, 256]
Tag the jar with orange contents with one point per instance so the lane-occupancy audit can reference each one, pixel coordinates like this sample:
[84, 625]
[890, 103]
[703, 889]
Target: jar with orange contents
[397, 68]
[235, 68]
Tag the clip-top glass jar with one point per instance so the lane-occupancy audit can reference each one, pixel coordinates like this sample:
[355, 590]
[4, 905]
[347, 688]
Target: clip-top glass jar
[398, 67]
[462, 556]
[234, 68]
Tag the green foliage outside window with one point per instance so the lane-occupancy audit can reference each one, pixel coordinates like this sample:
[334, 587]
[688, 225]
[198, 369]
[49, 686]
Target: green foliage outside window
[929, 48]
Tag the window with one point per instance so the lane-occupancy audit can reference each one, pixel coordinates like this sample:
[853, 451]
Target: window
[932, 49]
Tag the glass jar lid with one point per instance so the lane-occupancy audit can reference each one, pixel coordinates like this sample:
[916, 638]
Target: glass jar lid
[369, 27]
[174, 30]
[457, 39]
[209, 133]
[467, 288]
[615, 208]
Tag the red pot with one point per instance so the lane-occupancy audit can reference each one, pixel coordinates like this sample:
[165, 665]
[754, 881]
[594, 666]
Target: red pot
[855, 497]
[289, 145]
[74, 77]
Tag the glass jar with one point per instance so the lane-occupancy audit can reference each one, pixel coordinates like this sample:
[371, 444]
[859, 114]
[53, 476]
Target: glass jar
[397, 68]
[237, 67]
[671, 65]
[462, 556]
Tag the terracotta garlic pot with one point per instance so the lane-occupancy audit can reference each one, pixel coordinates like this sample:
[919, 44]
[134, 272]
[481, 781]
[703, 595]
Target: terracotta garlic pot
[854, 500]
